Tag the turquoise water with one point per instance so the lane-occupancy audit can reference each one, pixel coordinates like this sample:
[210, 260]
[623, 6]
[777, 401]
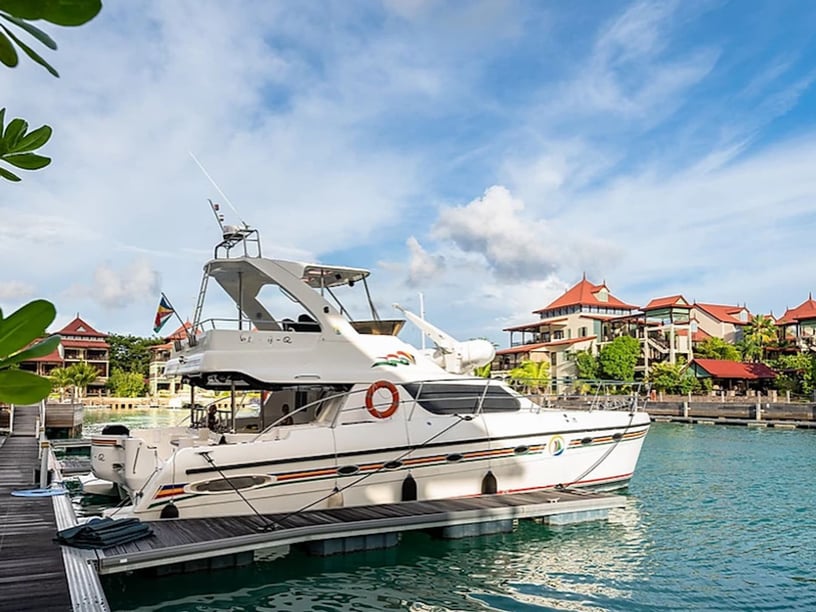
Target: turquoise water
[717, 518]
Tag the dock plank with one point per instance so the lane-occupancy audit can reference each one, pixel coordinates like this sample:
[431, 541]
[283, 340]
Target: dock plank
[32, 576]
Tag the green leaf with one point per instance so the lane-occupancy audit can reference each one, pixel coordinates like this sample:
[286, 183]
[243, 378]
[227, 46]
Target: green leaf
[7, 53]
[34, 31]
[22, 387]
[31, 53]
[34, 140]
[71, 12]
[24, 9]
[16, 128]
[40, 349]
[9, 176]
[25, 324]
[27, 161]
[2, 118]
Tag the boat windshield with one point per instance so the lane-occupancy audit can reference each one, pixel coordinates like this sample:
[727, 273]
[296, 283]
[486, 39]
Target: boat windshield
[451, 398]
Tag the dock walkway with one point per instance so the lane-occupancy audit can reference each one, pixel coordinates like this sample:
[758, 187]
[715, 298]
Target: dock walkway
[191, 541]
[35, 572]
[32, 575]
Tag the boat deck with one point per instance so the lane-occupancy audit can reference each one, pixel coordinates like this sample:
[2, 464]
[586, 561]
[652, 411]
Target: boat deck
[178, 541]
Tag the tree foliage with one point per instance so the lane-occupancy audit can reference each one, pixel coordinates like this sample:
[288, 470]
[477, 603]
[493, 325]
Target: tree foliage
[586, 365]
[81, 375]
[20, 339]
[795, 373]
[17, 143]
[760, 333]
[716, 348]
[61, 379]
[126, 384]
[532, 376]
[76, 377]
[673, 378]
[131, 353]
[617, 360]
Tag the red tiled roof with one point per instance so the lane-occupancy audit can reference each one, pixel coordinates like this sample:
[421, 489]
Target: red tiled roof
[700, 335]
[570, 341]
[724, 313]
[663, 302]
[601, 317]
[97, 344]
[53, 357]
[524, 348]
[78, 327]
[584, 293]
[720, 368]
[804, 311]
[536, 325]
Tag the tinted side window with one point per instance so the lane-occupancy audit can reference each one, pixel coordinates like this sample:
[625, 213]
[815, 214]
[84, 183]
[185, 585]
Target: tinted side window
[446, 398]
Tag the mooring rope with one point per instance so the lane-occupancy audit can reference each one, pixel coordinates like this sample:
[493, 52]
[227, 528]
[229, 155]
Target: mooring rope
[378, 470]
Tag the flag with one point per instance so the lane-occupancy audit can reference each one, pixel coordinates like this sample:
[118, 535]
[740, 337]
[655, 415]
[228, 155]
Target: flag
[164, 312]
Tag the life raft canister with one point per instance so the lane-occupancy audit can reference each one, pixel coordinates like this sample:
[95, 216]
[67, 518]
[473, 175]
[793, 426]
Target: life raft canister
[369, 399]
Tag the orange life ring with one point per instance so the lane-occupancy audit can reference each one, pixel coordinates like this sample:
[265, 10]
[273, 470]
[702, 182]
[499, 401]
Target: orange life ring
[369, 399]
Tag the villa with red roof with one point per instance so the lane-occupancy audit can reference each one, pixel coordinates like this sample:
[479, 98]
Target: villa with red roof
[572, 322]
[731, 375]
[799, 324]
[721, 321]
[587, 316]
[80, 342]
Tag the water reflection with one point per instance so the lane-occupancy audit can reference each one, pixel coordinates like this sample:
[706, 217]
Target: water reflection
[536, 567]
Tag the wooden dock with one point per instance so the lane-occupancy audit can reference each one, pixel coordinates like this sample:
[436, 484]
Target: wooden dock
[34, 572]
[193, 541]
[721, 420]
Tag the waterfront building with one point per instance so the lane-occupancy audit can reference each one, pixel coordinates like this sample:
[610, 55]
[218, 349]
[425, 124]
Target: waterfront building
[733, 376]
[159, 384]
[798, 325]
[573, 322]
[80, 342]
[587, 317]
[664, 328]
[721, 321]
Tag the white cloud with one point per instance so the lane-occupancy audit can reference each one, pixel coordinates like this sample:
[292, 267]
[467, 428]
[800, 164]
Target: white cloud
[116, 289]
[422, 266]
[15, 292]
[517, 245]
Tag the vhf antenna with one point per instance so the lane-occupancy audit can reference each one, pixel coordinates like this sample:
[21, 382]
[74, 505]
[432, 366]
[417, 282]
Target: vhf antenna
[220, 218]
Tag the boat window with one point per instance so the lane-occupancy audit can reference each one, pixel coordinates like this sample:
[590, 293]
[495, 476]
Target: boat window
[236, 482]
[446, 398]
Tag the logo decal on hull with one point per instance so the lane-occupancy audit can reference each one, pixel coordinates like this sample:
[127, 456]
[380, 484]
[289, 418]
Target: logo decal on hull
[395, 359]
[556, 446]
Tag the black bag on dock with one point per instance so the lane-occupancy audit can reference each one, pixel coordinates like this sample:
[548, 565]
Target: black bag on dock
[104, 533]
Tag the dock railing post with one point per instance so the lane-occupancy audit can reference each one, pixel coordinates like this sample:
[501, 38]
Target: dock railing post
[758, 415]
[44, 445]
[685, 410]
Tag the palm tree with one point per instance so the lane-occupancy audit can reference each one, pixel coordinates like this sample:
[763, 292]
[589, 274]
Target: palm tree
[532, 375]
[760, 332]
[82, 374]
[61, 378]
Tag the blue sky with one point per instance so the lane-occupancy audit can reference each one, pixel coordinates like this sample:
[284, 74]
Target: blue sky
[483, 153]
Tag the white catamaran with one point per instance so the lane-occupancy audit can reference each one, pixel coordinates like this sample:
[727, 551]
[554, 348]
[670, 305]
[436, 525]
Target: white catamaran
[351, 414]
